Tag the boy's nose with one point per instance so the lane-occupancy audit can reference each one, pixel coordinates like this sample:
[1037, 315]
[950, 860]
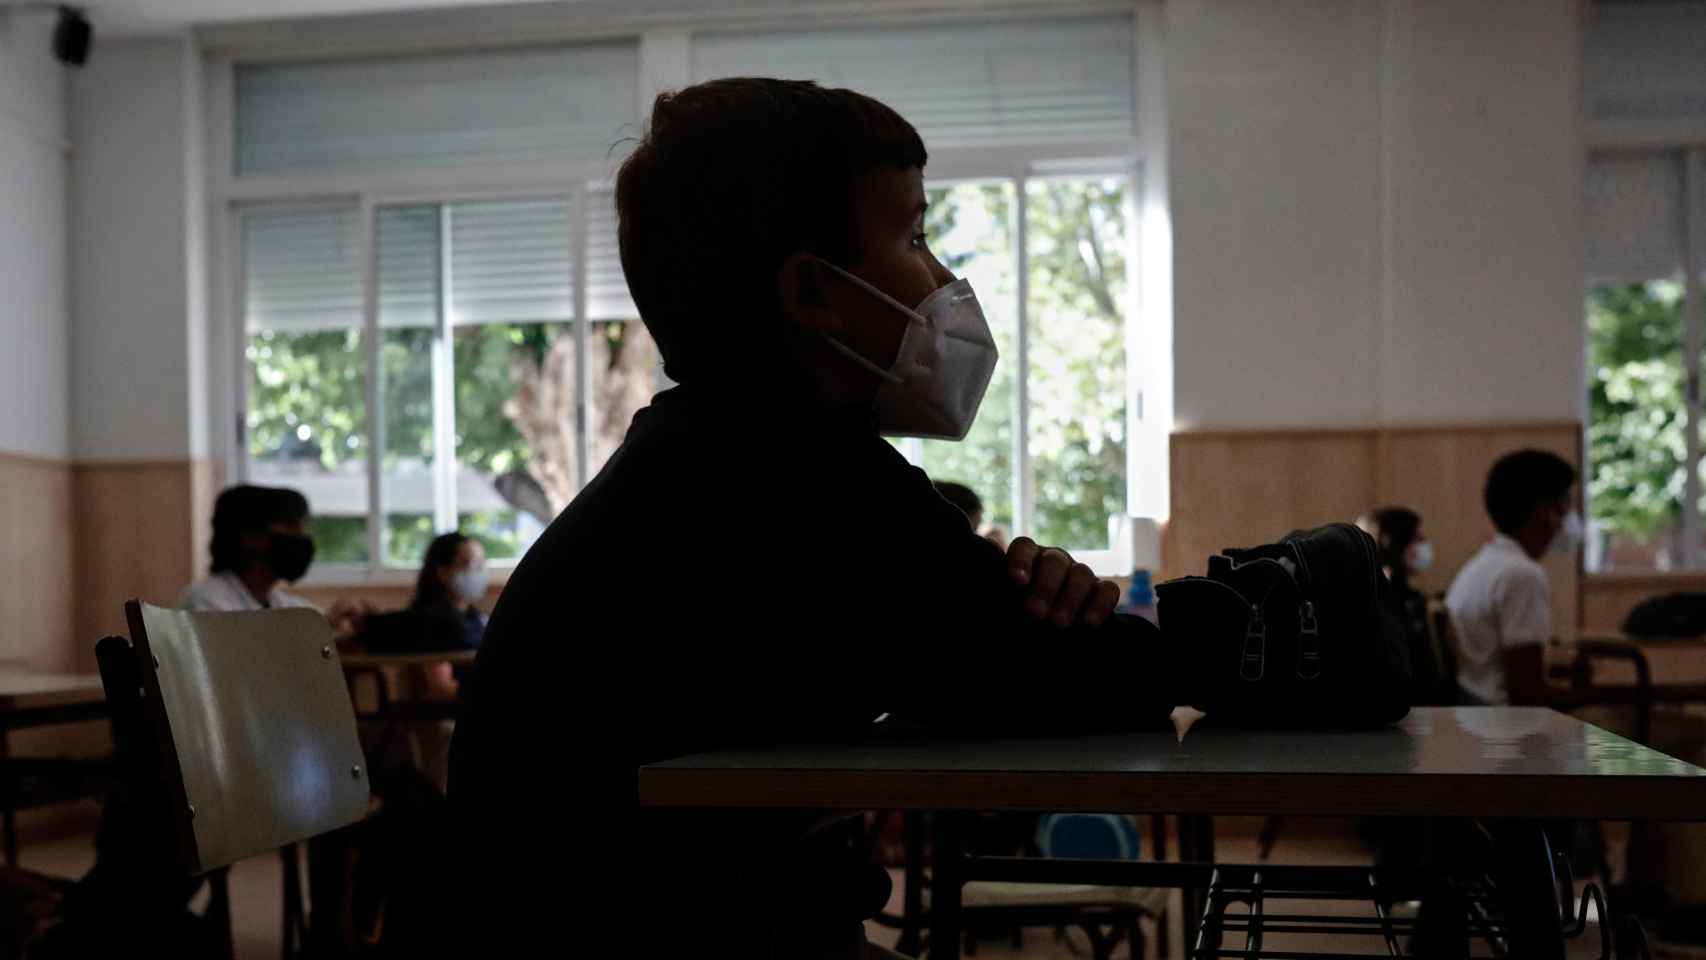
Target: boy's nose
[942, 275]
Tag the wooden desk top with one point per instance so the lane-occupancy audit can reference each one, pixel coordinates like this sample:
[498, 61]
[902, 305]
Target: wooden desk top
[30, 691]
[358, 660]
[1445, 761]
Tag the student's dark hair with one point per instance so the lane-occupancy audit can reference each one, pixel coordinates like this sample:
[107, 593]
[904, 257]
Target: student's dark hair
[1522, 481]
[249, 509]
[960, 496]
[1396, 528]
[440, 553]
[732, 177]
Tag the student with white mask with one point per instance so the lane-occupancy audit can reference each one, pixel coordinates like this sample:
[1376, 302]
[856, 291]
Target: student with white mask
[1501, 601]
[1406, 553]
[772, 233]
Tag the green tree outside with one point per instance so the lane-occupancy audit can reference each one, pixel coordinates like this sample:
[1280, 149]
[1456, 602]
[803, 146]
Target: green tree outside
[1636, 445]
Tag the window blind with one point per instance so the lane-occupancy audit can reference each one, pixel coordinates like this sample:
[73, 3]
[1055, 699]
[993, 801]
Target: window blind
[960, 84]
[563, 104]
[301, 268]
[1634, 222]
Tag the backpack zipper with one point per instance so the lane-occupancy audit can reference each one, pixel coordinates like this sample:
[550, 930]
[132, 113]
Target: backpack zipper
[1254, 664]
[1308, 642]
[1308, 628]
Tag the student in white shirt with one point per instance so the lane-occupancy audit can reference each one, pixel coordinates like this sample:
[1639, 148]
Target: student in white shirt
[1500, 603]
[259, 542]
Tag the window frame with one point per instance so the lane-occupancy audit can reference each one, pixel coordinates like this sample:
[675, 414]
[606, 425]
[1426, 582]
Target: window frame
[665, 62]
[1691, 157]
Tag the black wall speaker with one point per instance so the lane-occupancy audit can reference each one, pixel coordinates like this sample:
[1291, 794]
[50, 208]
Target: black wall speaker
[72, 37]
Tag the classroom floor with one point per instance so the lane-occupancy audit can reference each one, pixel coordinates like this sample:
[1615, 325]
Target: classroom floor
[256, 884]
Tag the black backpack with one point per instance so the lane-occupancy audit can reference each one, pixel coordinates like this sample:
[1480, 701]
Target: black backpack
[1669, 616]
[1298, 633]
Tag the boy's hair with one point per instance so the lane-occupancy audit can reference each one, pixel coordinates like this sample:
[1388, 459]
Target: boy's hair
[249, 509]
[1522, 481]
[1395, 528]
[732, 177]
[440, 553]
[960, 496]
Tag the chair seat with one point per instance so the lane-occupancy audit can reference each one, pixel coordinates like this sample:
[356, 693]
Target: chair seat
[992, 894]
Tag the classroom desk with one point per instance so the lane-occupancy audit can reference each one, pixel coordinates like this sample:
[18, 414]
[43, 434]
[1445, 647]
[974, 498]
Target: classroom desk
[1504, 764]
[358, 660]
[39, 700]
[382, 666]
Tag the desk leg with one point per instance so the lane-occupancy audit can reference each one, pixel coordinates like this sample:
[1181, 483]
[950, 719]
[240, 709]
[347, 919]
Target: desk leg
[945, 885]
[1196, 845]
[1528, 889]
[912, 910]
[1190, 901]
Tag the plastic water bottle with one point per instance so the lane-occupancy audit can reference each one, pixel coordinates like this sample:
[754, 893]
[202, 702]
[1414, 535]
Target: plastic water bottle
[1140, 597]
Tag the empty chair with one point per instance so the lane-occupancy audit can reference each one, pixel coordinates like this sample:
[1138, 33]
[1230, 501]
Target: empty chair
[234, 736]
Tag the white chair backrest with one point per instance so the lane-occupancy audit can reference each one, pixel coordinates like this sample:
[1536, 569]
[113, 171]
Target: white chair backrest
[255, 730]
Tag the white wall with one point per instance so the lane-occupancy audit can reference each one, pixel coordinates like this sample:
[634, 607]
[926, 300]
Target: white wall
[1376, 211]
[1485, 265]
[136, 220]
[33, 360]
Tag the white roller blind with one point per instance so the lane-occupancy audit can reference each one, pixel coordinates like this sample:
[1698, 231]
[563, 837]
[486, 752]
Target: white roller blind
[567, 104]
[1646, 62]
[408, 257]
[606, 285]
[1634, 223]
[301, 269]
[512, 261]
[983, 84]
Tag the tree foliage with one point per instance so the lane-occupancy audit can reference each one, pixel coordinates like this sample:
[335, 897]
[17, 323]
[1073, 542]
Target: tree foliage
[1637, 449]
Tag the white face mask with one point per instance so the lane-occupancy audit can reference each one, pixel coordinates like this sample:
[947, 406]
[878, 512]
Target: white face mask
[468, 586]
[1421, 557]
[1568, 537]
[946, 358]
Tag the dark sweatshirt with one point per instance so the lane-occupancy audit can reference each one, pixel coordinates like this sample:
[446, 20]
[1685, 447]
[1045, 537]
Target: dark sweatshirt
[751, 567]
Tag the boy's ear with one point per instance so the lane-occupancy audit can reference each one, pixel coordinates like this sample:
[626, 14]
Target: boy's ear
[800, 293]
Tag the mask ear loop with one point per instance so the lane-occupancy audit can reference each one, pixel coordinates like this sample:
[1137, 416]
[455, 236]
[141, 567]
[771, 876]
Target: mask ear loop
[854, 355]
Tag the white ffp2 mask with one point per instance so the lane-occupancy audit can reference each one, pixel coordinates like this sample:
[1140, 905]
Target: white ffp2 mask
[1569, 536]
[1421, 557]
[945, 361]
[468, 586]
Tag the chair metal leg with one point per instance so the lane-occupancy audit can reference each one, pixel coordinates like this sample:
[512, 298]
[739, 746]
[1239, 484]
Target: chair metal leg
[295, 924]
[1523, 868]
[911, 940]
[946, 886]
[219, 913]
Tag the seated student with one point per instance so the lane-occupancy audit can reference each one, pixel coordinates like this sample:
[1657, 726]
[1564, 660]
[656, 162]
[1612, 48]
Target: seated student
[971, 505]
[259, 542]
[443, 615]
[772, 236]
[1500, 603]
[1405, 553]
[965, 498]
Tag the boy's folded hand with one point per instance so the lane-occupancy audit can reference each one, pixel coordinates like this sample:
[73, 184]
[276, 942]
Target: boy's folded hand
[1061, 590]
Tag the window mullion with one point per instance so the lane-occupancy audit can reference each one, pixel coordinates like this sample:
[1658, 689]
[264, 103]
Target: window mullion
[1023, 480]
[444, 385]
[581, 221]
[1693, 248]
[375, 391]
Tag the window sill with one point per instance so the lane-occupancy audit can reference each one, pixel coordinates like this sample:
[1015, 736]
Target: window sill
[333, 575]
